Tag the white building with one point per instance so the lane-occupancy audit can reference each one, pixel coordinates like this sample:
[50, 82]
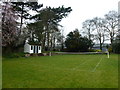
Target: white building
[31, 48]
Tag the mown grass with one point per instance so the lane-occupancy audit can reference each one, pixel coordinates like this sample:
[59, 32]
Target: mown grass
[61, 71]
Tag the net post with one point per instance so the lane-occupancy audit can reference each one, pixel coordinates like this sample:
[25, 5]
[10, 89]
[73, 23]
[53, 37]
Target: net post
[50, 54]
[108, 54]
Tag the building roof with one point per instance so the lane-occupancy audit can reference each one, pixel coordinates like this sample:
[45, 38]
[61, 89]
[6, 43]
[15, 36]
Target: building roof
[34, 44]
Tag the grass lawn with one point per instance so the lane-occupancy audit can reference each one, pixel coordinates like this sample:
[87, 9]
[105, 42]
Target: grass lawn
[61, 71]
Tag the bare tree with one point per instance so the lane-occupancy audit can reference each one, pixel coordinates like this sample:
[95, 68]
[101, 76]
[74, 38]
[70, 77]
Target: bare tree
[88, 29]
[111, 24]
[99, 30]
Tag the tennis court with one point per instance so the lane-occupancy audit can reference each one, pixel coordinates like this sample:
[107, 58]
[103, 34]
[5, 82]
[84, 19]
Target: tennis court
[62, 71]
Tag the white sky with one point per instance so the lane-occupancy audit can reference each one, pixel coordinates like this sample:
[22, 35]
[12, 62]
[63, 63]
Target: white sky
[81, 10]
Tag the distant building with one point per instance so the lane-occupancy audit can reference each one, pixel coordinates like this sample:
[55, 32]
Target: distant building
[97, 47]
[32, 48]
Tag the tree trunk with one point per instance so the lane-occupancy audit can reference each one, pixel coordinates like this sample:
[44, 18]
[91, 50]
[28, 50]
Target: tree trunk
[48, 36]
[43, 43]
[100, 46]
[111, 40]
[47, 30]
[89, 36]
[54, 42]
[51, 41]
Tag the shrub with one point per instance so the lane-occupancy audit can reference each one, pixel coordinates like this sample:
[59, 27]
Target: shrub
[76, 43]
[110, 49]
[116, 48]
[92, 50]
[95, 50]
[13, 55]
[116, 45]
[98, 50]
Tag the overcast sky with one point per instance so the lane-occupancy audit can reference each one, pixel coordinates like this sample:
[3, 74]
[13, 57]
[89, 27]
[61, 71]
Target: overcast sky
[81, 10]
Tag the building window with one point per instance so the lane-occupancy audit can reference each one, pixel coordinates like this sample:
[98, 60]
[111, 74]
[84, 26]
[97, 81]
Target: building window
[39, 47]
[31, 47]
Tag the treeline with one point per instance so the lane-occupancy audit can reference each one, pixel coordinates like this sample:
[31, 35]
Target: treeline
[29, 21]
[98, 30]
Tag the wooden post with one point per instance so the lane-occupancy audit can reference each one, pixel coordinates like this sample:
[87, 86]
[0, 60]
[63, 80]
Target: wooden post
[50, 54]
